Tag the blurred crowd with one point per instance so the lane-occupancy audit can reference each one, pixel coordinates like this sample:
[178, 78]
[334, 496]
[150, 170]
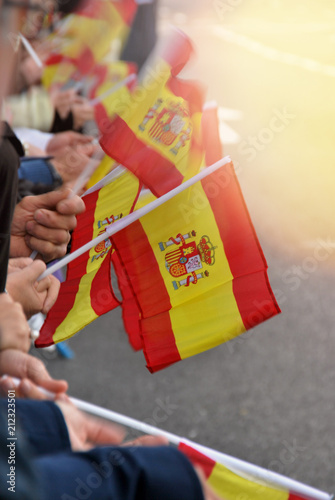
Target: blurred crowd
[49, 450]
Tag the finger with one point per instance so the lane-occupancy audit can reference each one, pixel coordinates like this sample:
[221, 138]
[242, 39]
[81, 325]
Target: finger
[6, 384]
[48, 251]
[43, 285]
[22, 365]
[56, 219]
[101, 432]
[48, 236]
[72, 205]
[19, 263]
[34, 270]
[148, 441]
[47, 200]
[52, 294]
[29, 390]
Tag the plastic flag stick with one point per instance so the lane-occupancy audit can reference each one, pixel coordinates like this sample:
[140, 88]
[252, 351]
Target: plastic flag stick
[240, 467]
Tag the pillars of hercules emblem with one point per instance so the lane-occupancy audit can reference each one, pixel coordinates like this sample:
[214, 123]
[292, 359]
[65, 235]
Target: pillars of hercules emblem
[193, 278]
[180, 238]
[152, 112]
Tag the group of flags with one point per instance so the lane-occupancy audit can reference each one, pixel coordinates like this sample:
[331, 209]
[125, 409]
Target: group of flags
[191, 273]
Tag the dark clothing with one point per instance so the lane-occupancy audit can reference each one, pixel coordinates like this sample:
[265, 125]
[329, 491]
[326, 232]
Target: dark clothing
[62, 124]
[104, 473]
[10, 151]
[143, 36]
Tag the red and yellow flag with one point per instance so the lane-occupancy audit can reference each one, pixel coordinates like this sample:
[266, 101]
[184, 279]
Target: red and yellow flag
[229, 485]
[156, 132]
[197, 271]
[84, 38]
[87, 292]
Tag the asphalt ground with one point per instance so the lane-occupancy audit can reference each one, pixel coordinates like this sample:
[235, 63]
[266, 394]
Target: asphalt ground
[268, 396]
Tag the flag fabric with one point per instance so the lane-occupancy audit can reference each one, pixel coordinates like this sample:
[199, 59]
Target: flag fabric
[106, 76]
[87, 292]
[104, 168]
[196, 270]
[156, 133]
[229, 485]
[213, 149]
[84, 38]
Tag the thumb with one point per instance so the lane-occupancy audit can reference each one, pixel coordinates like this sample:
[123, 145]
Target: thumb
[34, 270]
[48, 200]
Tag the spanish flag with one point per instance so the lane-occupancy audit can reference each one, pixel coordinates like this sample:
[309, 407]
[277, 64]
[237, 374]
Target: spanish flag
[87, 292]
[156, 133]
[229, 485]
[84, 38]
[196, 269]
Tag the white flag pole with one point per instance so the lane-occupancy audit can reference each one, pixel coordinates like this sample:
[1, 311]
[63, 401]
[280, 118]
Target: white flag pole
[132, 77]
[31, 51]
[129, 219]
[240, 467]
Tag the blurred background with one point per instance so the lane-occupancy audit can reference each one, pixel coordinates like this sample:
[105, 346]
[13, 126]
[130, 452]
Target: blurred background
[267, 396]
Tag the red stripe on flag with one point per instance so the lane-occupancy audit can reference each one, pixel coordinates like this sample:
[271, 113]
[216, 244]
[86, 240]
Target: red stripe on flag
[292, 496]
[177, 51]
[192, 92]
[241, 245]
[130, 308]
[157, 335]
[141, 266]
[254, 298]
[198, 459]
[126, 9]
[102, 294]
[212, 142]
[76, 269]
[120, 143]
[58, 312]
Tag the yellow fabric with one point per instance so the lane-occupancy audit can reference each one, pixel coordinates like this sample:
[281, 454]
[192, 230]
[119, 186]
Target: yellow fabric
[152, 109]
[115, 200]
[106, 166]
[230, 486]
[176, 216]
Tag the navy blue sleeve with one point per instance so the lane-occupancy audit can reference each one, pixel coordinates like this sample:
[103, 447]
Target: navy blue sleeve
[142, 473]
[43, 426]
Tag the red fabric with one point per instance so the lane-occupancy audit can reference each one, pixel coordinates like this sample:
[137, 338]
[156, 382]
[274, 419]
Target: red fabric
[210, 129]
[177, 51]
[120, 143]
[135, 251]
[102, 294]
[76, 269]
[130, 308]
[157, 332]
[127, 10]
[198, 459]
[242, 248]
[295, 497]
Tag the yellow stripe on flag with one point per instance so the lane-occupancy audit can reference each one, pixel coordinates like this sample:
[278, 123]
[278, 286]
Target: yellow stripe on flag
[230, 486]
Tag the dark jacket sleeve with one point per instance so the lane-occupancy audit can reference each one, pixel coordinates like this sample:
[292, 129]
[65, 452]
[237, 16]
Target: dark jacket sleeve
[43, 426]
[142, 473]
[10, 149]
